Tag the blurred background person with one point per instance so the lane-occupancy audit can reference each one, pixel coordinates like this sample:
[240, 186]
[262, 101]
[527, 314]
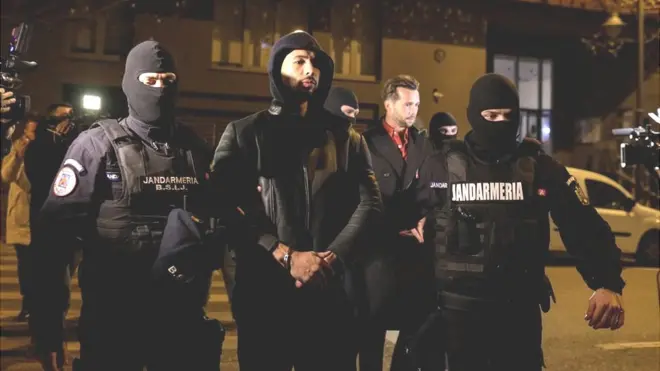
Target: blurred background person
[6, 100]
[18, 205]
[45, 154]
[442, 129]
[54, 135]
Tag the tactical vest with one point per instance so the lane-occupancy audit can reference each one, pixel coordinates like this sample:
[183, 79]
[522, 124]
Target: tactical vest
[492, 233]
[145, 185]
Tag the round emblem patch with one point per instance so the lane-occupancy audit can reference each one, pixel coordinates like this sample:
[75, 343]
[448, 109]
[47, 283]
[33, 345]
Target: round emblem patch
[65, 182]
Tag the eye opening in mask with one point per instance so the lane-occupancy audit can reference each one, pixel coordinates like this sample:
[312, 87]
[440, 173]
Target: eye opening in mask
[156, 79]
[497, 114]
[350, 111]
[448, 130]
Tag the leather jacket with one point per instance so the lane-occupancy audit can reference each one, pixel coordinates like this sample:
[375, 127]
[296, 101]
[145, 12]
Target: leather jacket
[319, 205]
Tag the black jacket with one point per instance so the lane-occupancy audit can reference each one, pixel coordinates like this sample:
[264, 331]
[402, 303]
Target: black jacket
[397, 178]
[271, 148]
[584, 232]
[74, 217]
[398, 273]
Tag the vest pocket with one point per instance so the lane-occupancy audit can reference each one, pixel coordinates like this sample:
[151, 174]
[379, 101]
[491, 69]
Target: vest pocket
[128, 238]
[470, 233]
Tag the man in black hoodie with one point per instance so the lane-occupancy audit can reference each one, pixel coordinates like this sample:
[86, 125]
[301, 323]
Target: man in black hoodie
[113, 191]
[491, 233]
[289, 301]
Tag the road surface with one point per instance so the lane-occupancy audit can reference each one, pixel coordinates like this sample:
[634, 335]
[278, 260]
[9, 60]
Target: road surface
[570, 345]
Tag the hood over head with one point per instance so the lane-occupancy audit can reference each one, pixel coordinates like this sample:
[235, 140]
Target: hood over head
[283, 96]
[439, 120]
[492, 91]
[147, 104]
[339, 97]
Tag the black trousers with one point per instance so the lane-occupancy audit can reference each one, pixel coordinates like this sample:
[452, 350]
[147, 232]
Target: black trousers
[411, 300]
[281, 327]
[25, 268]
[114, 325]
[125, 324]
[499, 337]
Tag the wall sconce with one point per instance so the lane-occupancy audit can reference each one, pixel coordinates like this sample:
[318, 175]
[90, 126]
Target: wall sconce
[437, 95]
[607, 39]
[613, 26]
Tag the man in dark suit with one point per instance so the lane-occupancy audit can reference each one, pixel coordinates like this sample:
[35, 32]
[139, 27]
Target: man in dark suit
[399, 274]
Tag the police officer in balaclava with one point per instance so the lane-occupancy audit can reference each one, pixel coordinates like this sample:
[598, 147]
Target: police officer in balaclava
[113, 191]
[343, 104]
[442, 127]
[491, 234]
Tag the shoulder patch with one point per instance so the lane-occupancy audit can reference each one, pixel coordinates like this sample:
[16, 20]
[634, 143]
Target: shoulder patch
[65, 182]
[76, 165]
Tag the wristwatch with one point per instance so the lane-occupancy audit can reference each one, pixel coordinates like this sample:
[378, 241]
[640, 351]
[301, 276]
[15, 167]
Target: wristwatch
[287, 259]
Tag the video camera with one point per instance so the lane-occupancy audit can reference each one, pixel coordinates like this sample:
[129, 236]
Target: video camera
[12, 65]
[643, 147]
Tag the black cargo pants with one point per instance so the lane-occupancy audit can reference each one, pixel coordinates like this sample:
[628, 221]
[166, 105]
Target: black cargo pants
[492, 337]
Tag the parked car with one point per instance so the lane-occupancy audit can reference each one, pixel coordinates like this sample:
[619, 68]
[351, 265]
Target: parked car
[636, 227]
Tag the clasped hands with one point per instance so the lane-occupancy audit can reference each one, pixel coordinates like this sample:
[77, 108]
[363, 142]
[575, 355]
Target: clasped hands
[308, 268]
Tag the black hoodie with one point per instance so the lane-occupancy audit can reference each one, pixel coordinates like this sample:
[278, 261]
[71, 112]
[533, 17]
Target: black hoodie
[271, 149]
[284, 100]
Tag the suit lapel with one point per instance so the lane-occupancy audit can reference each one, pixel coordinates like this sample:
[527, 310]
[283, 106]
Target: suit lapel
[385, 148]
[416, 151]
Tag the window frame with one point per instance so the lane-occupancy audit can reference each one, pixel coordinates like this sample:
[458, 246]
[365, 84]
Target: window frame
[99, 48]
[540, 111]
[589, 182]
[354, 55]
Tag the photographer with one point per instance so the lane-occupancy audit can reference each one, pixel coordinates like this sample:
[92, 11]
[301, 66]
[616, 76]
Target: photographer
[7, 100]
[17, 218]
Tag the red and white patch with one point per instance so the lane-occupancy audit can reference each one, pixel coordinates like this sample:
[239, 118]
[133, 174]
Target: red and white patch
[65, 182]
[542, 192]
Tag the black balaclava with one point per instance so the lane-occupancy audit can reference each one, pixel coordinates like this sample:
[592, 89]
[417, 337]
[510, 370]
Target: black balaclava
[493, 139]
[285, 97]
[149, 105]
[440, 120]
[339, 97]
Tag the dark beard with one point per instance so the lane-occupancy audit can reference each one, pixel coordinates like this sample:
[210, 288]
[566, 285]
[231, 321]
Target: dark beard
[302, 96]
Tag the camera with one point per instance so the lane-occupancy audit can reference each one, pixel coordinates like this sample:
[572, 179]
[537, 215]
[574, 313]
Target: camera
[642, 147]
[11, 66]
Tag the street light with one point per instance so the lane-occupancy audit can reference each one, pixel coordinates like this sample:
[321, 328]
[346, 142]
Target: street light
[91, 102]
[607, 39]
[613, 26]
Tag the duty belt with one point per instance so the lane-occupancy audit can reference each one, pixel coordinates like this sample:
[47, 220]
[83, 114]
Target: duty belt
[455, 301]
